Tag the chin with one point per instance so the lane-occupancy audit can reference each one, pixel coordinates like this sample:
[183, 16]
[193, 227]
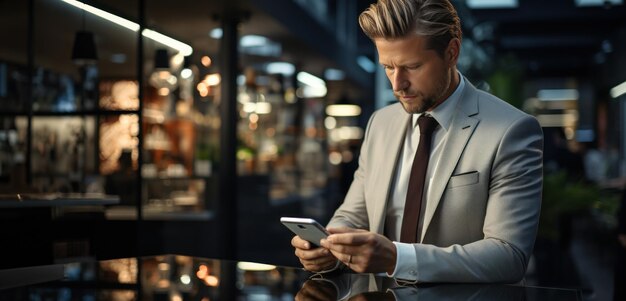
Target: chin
[415, 109]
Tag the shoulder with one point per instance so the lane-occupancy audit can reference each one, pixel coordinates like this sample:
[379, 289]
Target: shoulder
[493, 105]
[389, 111]
[495, 110]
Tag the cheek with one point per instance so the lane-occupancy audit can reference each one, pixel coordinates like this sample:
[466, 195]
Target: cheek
[435, 77]
[422, 79]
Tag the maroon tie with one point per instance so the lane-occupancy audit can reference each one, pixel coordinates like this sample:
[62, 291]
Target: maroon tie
[414, 194]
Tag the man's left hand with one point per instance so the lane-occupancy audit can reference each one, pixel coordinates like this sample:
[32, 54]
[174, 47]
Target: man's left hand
[362, 251]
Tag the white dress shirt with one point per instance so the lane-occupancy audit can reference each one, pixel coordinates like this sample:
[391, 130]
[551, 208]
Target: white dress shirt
[406, 264]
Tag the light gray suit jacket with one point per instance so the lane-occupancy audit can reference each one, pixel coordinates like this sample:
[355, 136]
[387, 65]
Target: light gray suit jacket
[483, 205]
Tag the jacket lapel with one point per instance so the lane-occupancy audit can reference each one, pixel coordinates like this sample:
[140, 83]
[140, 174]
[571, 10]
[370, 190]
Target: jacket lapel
[395, 132]
[461, 129]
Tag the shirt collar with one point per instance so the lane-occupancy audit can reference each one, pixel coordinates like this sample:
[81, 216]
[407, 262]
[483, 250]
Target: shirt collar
[444, 111]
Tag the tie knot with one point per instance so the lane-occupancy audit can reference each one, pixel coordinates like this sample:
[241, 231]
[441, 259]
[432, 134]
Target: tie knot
[427, 124]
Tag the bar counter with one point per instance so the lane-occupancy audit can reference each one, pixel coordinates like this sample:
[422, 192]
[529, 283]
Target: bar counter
[176, 277]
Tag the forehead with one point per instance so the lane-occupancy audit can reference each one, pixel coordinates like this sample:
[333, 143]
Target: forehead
[401, 50]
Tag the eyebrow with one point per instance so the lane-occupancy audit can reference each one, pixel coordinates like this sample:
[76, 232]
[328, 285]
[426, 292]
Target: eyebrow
[409, 64]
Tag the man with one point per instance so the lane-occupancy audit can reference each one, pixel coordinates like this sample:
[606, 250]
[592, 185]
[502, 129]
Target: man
[474, 218]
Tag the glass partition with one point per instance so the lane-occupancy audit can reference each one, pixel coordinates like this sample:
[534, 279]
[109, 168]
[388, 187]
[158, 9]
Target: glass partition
[13, 94]
[181, 121]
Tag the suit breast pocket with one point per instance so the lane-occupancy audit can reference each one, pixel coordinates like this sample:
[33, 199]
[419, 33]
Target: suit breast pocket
[463, 179]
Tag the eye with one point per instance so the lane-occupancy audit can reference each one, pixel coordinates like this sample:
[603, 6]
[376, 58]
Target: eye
[387, 68]
[413, 67]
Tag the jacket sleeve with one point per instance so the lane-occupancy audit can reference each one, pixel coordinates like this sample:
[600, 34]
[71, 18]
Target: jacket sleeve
[353, 211]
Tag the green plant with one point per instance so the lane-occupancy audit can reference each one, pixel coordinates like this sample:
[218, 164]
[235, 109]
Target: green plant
[563, 197]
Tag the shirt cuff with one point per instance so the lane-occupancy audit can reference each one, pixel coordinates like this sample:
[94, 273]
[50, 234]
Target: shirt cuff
[406, 262]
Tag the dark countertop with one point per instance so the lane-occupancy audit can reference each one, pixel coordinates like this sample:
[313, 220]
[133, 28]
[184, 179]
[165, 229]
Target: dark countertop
[30, 200]
[175, 277]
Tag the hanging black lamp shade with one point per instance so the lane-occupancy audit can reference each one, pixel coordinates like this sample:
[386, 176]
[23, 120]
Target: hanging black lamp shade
[84, 51]
[187, 62]
[161, 60]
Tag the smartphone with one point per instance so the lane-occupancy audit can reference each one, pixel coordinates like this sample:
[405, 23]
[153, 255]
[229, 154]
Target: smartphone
[307, 228]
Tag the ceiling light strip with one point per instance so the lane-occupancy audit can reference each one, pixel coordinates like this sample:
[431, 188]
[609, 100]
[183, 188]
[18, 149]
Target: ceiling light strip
[183, 48]
[310, 80]
[103, 14]
[618, 90]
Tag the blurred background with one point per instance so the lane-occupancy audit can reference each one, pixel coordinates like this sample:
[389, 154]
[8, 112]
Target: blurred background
[209, 120]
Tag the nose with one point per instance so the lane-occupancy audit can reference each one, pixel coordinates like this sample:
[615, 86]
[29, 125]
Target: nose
[399, 81]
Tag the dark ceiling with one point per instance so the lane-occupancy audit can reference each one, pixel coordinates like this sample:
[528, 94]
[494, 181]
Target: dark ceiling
[552, 38]
[549, 37]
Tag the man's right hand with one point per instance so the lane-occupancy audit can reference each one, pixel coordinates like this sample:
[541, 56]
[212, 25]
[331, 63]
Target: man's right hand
[313, 259]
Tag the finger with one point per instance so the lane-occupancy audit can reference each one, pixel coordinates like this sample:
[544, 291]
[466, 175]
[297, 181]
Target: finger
[353, 238]
[344, 257]
[300, 243]
[344, 230]
[344, 248]
[312, 254]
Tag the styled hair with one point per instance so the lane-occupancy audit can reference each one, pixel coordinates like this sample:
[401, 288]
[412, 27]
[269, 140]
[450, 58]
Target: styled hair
[392, 19]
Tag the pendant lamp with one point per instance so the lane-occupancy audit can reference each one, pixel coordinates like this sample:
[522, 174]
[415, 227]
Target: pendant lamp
[84, 51]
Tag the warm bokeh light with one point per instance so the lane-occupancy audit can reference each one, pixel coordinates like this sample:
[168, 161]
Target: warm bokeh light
[253, 266]
[249, 107]
[213, 79]
[206, 61]
[164, 266]
[211, 280]
[202, 272]
[164, 91]
[263, 108]
[254, 118]
[334, 158]
[346, 133]
[186, 73]
[330, 122]
[343, 110]
[185, 279]
[177, 59]
[202, 89]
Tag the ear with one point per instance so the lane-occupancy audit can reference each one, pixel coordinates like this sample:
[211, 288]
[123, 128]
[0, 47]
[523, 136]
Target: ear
[452, 51]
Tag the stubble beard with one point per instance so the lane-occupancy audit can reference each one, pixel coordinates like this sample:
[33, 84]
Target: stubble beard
[420, 106]
[427, 102]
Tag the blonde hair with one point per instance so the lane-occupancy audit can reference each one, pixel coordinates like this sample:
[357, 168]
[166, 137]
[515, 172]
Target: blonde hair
[391, 19]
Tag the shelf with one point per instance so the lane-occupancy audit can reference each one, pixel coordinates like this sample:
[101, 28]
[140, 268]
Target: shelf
[177, 178]
[152, 214]
[72, 113]
[68, 175]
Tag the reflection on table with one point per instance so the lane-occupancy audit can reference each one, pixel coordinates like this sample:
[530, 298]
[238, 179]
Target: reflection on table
[177, 278]
[353, 287]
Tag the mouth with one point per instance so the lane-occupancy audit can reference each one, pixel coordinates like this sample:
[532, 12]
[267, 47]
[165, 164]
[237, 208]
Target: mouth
[407, 97]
